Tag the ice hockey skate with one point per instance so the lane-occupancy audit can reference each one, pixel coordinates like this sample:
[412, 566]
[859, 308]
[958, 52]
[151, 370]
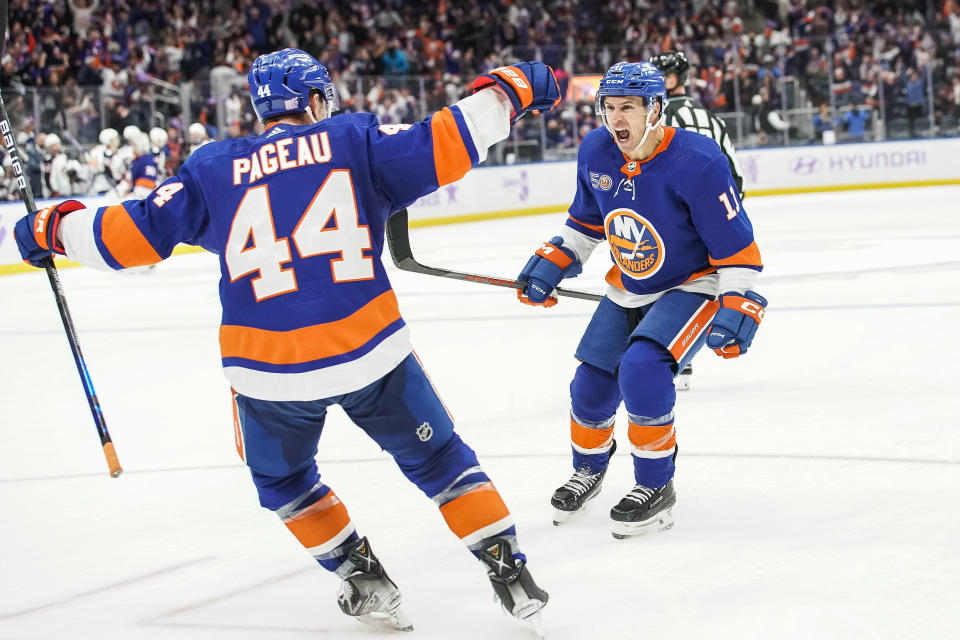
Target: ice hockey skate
[643, 511]
[570, 500]
[367, 592]
[682, 381]
[518, 593]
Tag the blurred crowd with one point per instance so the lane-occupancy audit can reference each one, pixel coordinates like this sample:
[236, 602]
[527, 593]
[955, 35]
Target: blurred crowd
[78, 68]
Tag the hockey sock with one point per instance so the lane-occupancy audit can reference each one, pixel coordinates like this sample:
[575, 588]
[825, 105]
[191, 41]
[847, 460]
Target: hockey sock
[475, 512]
[591, 443]
[322, 525]
[594, 398]
[646, 378]
[654, 442]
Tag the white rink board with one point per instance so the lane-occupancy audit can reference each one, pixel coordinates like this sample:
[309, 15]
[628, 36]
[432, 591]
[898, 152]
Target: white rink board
[502, 188]
[809, 167]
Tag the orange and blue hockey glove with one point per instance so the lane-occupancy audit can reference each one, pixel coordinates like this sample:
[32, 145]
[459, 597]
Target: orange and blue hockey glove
[36, 233]
[551, 263]
[530, 86]
[733, 327]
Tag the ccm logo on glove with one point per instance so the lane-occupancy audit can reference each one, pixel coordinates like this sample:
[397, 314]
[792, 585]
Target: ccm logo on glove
[752, 309]
[513, 76]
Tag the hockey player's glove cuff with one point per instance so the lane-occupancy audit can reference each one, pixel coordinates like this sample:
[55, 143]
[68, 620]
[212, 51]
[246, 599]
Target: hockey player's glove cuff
[551, 263]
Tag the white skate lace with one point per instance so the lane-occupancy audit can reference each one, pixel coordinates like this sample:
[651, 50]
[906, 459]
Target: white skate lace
[639, 494]
[579, 483]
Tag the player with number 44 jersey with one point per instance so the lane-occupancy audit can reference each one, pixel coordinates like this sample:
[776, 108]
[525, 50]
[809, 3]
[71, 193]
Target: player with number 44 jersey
[685, 263]
[296, 215]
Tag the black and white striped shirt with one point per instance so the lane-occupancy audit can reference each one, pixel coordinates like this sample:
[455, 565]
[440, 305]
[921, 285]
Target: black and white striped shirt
[686, 113]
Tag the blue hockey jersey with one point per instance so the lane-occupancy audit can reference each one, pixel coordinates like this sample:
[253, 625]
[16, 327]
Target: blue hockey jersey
[669, 220]
[297, 217]
[143, 174]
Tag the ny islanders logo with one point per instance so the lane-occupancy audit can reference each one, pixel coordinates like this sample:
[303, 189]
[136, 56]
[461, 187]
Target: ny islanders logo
[635, 245]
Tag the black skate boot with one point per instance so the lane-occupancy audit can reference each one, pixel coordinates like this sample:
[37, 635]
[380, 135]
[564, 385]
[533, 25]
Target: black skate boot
[513, 584]
[368, 593]
[569, 500]
[682, 381]
[644, 510]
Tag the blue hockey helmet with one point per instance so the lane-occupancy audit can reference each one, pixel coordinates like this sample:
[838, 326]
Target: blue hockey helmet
[632, 79]
[281, 82]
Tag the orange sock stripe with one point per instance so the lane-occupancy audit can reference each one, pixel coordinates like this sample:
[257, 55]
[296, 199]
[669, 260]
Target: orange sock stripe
[587, 438]
[474, 510]
[319, 522]
[652, 438]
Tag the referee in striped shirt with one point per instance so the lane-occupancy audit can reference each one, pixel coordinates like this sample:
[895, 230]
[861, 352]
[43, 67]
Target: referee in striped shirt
[684, 112]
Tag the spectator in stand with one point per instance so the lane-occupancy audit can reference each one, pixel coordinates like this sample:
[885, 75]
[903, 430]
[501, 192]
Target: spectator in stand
[34, 155]
[916, 100]
[768, 122]
[856, 120]
[823, 124]
[122, 44]
[257, 16]
[394, 60]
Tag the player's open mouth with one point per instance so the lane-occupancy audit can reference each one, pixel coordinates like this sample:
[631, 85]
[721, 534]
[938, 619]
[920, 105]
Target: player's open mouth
[622, 134]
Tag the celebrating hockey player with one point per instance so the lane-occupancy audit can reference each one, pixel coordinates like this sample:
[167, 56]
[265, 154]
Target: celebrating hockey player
[143, 168]
[668, 207]
[310, 319]
[683, 112]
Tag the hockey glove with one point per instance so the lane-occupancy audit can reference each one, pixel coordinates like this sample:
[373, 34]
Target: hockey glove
[543, 272]
[528, 85]
[732, 330]
[36, 233]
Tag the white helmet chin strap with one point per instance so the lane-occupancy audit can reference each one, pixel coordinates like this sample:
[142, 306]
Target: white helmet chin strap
[649, 127]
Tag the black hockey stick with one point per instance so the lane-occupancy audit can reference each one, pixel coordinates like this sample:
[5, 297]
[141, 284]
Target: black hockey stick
[398, 239]
[23, 186]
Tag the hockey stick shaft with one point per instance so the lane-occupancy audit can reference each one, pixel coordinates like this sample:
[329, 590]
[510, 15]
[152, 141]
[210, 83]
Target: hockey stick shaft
[398, 239]
[26, 194]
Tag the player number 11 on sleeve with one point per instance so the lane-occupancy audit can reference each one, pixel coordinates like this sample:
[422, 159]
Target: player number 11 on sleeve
[731, 212]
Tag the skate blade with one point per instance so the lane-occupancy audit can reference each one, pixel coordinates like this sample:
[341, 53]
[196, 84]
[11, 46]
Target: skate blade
[394, 619]
[563, 517]
[536, 623]
[660, 522]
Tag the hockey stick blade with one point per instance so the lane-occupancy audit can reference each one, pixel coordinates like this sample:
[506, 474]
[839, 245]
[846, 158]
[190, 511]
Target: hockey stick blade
[398, 240]
[26, 194]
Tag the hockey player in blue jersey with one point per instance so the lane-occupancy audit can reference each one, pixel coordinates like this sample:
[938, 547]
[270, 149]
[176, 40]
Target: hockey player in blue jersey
[143, 169]
[310, 319]
[685, 266]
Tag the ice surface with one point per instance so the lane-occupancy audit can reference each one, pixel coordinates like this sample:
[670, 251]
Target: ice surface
[818, 479]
